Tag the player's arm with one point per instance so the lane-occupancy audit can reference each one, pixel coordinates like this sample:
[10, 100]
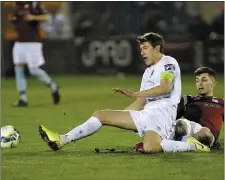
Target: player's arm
[43, 17]
[166, 81]
[181, 107]
[137, 105]
[42, 14]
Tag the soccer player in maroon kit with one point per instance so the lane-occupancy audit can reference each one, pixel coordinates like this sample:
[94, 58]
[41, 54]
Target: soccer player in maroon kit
[204, 109]
[27, 49]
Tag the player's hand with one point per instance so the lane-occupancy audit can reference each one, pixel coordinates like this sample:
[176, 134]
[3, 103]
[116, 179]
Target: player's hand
[125, 92]
[29, 17]
[13, 18]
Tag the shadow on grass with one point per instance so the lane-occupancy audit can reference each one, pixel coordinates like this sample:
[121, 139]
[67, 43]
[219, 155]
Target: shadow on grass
[119, 152]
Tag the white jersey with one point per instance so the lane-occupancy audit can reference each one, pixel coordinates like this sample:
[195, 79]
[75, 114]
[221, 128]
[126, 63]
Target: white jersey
[152, 76]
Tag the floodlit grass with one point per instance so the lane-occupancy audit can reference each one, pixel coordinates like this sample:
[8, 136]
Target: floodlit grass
[81, 96]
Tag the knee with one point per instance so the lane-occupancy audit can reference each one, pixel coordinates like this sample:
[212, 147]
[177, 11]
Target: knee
[101, 115]
[181, 128]
[19, 65]
[152, 149]
[205, 130]
[205, 136]
[208, 135]
[33, 71]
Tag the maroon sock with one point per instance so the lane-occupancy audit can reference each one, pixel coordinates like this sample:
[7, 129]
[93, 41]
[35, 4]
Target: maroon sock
[139, 147]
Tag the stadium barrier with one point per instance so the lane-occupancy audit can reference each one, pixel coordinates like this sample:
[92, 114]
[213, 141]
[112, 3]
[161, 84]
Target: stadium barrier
[115, 55]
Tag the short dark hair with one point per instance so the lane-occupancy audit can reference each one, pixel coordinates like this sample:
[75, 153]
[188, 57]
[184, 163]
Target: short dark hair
[153, 38]
[202, 70]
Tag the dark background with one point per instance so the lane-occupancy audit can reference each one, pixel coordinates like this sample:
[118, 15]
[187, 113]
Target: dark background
[102, 37]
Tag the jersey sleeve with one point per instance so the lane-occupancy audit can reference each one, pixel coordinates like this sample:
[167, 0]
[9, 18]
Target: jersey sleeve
[170, 68]
[181, 108]
[169, 72]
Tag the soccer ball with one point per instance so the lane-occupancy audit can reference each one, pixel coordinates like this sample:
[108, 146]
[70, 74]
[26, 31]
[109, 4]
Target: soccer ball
[10, 137]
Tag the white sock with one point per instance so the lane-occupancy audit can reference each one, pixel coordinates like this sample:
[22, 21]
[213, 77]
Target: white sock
[88, 128]
[177, 146]
[184, 138]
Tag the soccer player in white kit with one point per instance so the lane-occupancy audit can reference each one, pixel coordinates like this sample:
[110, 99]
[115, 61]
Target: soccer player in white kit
[153, 113]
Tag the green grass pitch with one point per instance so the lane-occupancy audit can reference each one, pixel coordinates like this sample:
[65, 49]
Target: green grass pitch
[81, 96]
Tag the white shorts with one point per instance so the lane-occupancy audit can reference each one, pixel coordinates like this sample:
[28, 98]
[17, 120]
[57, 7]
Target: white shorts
[192, 128]
[157, 116]
[29, 53]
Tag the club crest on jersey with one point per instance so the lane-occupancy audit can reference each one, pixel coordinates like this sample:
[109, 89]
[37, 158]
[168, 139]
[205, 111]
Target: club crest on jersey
[169, 67]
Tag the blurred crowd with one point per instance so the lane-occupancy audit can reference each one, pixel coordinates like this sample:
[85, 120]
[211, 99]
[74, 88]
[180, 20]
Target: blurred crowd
[171, 19]
[88, 19]
[57, 25]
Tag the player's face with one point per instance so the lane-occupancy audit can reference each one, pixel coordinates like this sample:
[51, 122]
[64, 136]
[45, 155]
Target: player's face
[205, 84]
[148, 53]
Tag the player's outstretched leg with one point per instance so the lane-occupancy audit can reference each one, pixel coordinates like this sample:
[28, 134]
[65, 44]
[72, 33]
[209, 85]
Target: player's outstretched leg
[21, 85]
[151, 143]
[44, 77]
[184, 141]
[120, 119]
[189, 131]
[169, 146]
[192, 144]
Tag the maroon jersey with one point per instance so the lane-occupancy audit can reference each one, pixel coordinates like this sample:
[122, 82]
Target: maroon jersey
[207, 111]
[28, 31]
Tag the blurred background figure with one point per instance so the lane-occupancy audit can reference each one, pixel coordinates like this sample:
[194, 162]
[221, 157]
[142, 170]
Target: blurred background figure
[57, 25]
[217, 24]
[27, 49]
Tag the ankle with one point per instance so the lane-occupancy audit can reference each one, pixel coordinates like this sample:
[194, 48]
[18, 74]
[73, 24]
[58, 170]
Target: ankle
[193, 146]
[64, 139]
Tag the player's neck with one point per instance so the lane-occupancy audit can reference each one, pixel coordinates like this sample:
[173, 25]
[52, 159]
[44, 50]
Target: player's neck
[158, 58]
[210, 94]
[207, 95]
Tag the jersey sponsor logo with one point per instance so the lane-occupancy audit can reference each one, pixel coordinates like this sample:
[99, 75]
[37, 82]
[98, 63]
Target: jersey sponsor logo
[212, 105]
[169, 67]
